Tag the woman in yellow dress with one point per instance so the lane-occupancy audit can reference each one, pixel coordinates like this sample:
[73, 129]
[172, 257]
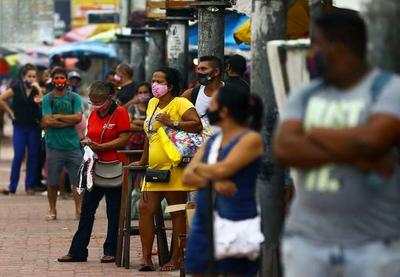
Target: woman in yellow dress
[165, 109]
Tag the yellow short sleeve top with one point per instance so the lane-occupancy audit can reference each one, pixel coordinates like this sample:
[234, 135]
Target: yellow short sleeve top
[158, 159]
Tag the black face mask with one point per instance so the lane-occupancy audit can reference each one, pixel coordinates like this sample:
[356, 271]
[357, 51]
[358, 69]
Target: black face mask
[213, 116]
[204, 78]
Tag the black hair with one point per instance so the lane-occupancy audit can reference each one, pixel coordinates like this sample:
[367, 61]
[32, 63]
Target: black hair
[26, 68]
[126, 69]
[245, 108]
[101, 88]
[214, 62]
[237, 64]
[347, 27]
[146, 84]
[173, 78]
[59, 71]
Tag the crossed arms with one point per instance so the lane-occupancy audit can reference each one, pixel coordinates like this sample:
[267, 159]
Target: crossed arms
[62, 120]
[365, 147]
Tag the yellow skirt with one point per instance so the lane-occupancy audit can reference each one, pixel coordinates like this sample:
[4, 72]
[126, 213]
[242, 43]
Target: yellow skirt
[158, 159]
[175, 183]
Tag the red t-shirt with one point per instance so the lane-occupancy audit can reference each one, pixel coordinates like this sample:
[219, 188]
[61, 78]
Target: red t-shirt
[119, 124]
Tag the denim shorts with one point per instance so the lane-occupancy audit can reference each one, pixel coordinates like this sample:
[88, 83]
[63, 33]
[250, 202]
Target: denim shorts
[304, 258]
[57, 160]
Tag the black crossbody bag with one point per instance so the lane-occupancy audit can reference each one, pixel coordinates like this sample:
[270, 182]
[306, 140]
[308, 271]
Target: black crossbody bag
[156, 175]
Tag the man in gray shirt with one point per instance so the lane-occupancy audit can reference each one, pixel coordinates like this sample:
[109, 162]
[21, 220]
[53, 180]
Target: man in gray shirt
[340, 133]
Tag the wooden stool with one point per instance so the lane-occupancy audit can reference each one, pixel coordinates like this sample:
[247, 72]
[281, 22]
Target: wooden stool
[131, 173]
[130, 155]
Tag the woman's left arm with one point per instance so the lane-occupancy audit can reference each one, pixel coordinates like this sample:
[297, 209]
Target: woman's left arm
[247, 150]
[190, 121]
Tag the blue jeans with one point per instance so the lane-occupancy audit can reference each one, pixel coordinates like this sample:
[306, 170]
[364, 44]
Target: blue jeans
[304, 258]
[91, 200]
[25, 137]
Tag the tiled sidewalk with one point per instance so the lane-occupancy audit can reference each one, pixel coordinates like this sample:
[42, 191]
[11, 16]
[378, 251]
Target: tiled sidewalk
[29, 245]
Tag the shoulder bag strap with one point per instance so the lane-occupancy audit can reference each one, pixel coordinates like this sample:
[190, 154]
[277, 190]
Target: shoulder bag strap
[151, 117]
[105, 127]
[195, 93]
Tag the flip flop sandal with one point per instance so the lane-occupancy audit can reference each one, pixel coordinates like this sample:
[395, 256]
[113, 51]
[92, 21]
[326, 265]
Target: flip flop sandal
[169, 267]
[51, 217]
[147, 268]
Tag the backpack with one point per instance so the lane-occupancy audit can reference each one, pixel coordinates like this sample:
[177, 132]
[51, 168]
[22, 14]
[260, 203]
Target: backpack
[71, 99]
[195, 93]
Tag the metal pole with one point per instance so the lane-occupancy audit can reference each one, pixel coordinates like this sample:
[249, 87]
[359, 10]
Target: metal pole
[211, 18]
[155, 54]
[123, 48]
[178, 45]
[138, 54]
[268, 22]
[384, 39]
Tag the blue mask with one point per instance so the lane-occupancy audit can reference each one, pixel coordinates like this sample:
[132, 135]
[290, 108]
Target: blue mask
[74, 88]
[27, 84]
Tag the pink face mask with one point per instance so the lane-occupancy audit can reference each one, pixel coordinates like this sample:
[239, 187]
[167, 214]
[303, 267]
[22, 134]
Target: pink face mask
[144, 97]
[117, 78]
[159, 90]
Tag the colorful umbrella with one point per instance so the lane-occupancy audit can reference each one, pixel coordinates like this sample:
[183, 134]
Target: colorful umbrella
[84, 48]
[83, 33]
[110, 35]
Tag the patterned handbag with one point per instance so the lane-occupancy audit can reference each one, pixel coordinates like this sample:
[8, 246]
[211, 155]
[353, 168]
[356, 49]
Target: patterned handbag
[179, 145]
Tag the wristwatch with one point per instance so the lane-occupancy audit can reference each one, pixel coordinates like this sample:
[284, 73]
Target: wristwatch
[175, 123]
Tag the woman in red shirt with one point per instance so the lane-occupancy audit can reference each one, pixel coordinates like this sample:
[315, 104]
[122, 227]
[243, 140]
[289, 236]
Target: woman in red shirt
[108, 131]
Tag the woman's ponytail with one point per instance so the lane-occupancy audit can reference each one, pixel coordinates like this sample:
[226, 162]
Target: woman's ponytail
[256, 111]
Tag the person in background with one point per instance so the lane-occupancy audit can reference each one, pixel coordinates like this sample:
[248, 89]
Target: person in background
[341, 132]
[165, 109]
[26, 116]
[105, 111]
[138, 115]
[209, 75]
[44, 80]
[62, 111]
[74, 81]
[110, 76]
[235, 68]
[124, 75]
[233, 177]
